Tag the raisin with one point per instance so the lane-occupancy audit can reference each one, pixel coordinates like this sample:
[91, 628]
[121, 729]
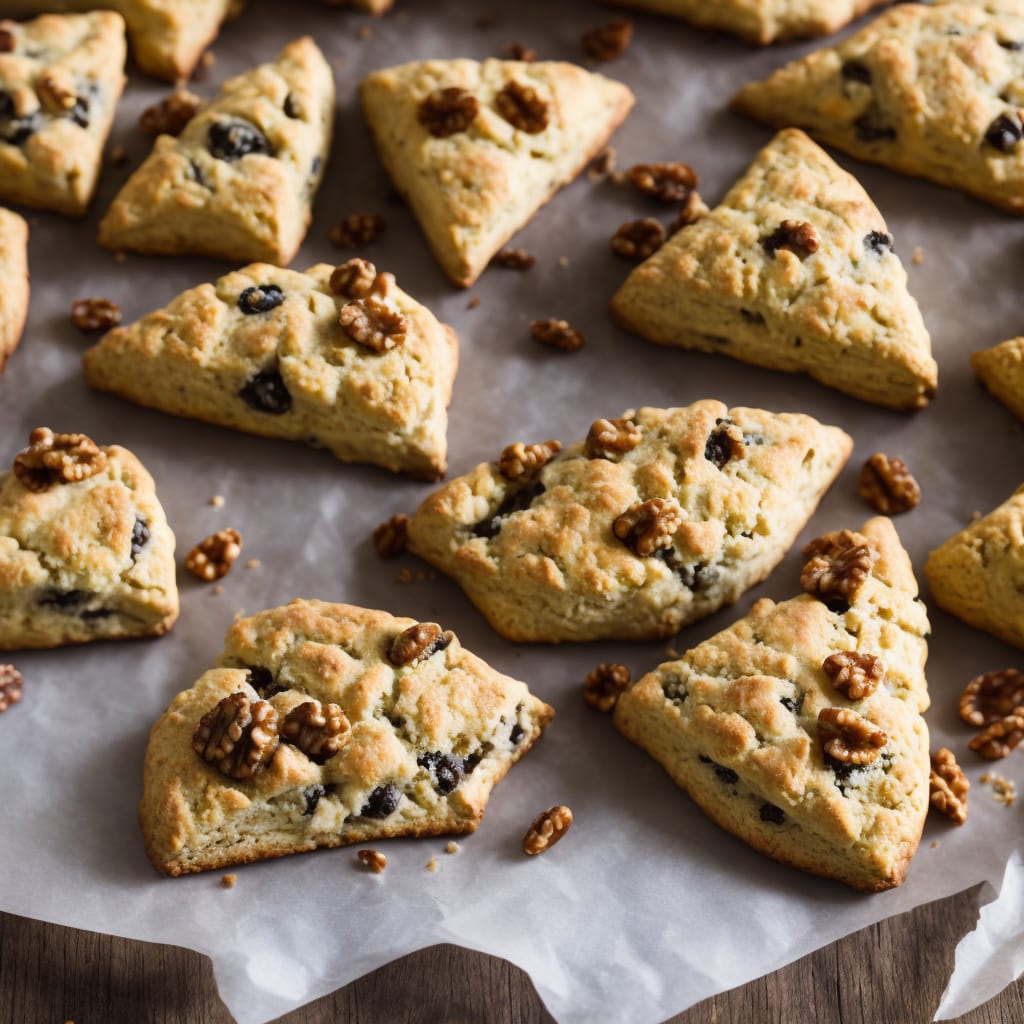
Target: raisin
[260, 299]
[517, 502]
[265, 392]
[726, 775]
[878, 241]
[1004, 133]
[63, 600]
[313, 796]
[771, 813]
[870, 129]
[516, 734]
[14, 129]
[696, 577]
[793, 704]
[290, 109]
[854, 71]
[843, 771]
[447, 769]
[718, 448]
[231, 140]
[79, 111]
[197, 173]
[140, 536]
[1011, 44]
[95, 613]
[262, 681]
[381, 802]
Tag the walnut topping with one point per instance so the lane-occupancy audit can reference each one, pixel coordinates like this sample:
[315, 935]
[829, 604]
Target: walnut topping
[839, 564]
[558, 334]
[318, 730]
[648, 526]
[57, 458]
[447, 111]
[948, 786]
[604, 685]
[513, 259]
[373, 860]
[547, 829]
[638, 239]
[11, 684]
[799, 237]
[171, 114]
[1001, 737]
[888, 486]
[525, 460]
[992, 696]
[523, 107]
[419, 642]
[95, 314]
[608, 438]
[56, 89]
[212, 558]
[237, 737]
[356, 229]
[374, 324]
[849, 737]
[389, 538]
[690, 212]
[609, 41]
[671, 183]
[354, 279]
[855, 674]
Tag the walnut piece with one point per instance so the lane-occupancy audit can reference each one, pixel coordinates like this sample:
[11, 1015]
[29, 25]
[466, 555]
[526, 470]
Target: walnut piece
[373, 860]
[389, 539]
[356, 229]
[888, 486]
[212, 558]
[513, 259]
[11, 683]
[992, 696]
[95, 314]
[8, 42]
[525, 460]
[602, 165]
[855, 674]
[948, 786]
[523, 107]
[447, 111]
[547, 829]
[374, 324]
[690, 212]
[671, 183]
[604, 685]
[353, 279]
[318, 730]
[799, 237]
[849, 737]
[419, 642]
[56, 89]
[1001, 737]
[237, 737]
[608, 438]
[638, 239]
[558, 334]
[609, 41]
[57, 459]
[839, 564]
[516, 51]
[171, 114]
[648, 526]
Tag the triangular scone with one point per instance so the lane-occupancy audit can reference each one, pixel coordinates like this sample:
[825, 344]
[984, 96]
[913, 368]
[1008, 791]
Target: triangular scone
[795, 271]
[61, 76]
[85, 549]
[1001, 370]
[263, 350]
[13, 282]
[477, 148]
[656, 520]
[978, 574]
[932, 91]
[761, 21]
[740, 721]
[409, 735]
[238, 182]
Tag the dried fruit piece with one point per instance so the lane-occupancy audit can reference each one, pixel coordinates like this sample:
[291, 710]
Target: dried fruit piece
[260, 299]
[382, 802]
[419, 642]
[609, 41]
[839, 564]
[513, 259]
[855, 674]
[267, 392]
[232, 140]
[95, 314]
[799, 237]
[374, 324]
[237, 737]
[547, 829]
[992, 696]
[525, 460]
[390, 537]
[171, 114]
[374, 860]
[888, 486]
[212, 558]
[848, 737]
[604, 685]
[354, 279]
[447, 111]
[447, 770]
[948, 786]
[558, 334]
[638, 239]
[11, 683]
[57, 458]
[724, 443]
[609, 438]
[318, 730]
[1005, 132]
[669, 182]
[1001, 737]
[356, 229]
[523, 107]
[649, 525]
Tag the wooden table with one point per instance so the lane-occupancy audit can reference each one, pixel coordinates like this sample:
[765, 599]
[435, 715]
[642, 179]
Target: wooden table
[891, 973]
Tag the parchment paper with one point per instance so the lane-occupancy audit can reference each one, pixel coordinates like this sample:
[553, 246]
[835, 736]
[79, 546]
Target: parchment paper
[646, 907]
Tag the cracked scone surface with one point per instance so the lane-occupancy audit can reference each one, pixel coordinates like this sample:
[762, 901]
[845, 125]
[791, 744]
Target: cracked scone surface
[978, 574]
[59, 86]
[472, 190]
[428, 742]
[931, 91]
[13, 282]
[239, 181]
[75, 563]
[733, 283]
[290, 371]
[734, 723]
[540, 558]
[1001, 370]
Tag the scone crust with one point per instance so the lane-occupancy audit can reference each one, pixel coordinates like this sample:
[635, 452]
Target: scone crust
[195, 819]
[1001, 370]
[13, 282]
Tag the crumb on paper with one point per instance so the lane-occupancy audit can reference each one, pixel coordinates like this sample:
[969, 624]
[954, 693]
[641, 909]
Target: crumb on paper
[917, 256]
[365, 32]
[563, 261]
[432, 864]
[373, 860]
[935, 844]
[451, 847]
[217, 590]
[228, 881]
[217, 501]
[1004, 790]
[473, 302]
[975, 516]
[118, 156]
[253, 563]
[404, 575]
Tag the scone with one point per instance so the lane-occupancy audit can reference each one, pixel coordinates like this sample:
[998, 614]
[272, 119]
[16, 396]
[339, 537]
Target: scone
[13, 282]
[932, 91]
[477, 148]
[85, 549]
[799, 728]
[239, 181]
[1001, 370]
[978, 574]
[795, 271]
[761, 21]
[340, 358]
[328, 725]
[655, 520]
[60, 79]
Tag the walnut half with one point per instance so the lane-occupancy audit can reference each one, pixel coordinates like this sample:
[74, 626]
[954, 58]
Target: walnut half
[609, 438]
[855, 674]
[948, 786]
[839, 564]
[648, 526]
[57, 459]
[237, 737]
[992, 696]
[1001, 737]
[211, 559]
[547, 829]
[848, 737]
[604, 685]
[318, 730]
[419, 642]
[525, 460]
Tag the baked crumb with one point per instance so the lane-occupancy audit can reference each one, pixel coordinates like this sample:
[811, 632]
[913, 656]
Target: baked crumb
[451, 847]
[365, 32]
[253, 563]
[1004, 790]
[118, 156]
[935, 844]
[473, 302]
[563, 261]
[404, 575]
[217, 590]
[120, 257]
[917, 256]
[432, 864]
[228, 881]
[217, 501]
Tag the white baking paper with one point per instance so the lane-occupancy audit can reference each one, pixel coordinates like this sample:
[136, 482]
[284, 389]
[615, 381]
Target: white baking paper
[646, 907]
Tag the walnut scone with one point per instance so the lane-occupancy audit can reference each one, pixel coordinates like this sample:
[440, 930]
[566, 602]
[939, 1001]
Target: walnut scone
[61, 76]
[477, 148]
[978, 574]
[1001, 370]
[795, 271]
[85, 549]
[932, 91]
[338, 357]
[13, 282]
[655, 520]
[327, 725]
[799, 729]
[239, 181]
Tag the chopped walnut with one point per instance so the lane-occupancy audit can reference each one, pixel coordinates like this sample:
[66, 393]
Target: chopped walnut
[57, 458]
[11, 683]
[671, 183]
[648, 526]
[389, 539]
[855, 674]
[374, 324]
[56, 90]
[447, 111]
[888, 486]
[373, 860]
[228, 881]
[992, 696]
[419, 642]
[95, 314]
[513, 259]
[799, 237]
[849, 737]
[840, 563]
[609, 438]
[356, 229]
[516, 51]
[602, 165]
[690, 212]
[948, 786]
[604, 685]
[318, 730]
[557, 334]
[523, 107]
[1004, 790]
[547, 829]
[609, 41]
[354, 279]
[237, 737]
[525, 460]
[171, 114]
[1001, 737]
[638, 239]
[212, 558]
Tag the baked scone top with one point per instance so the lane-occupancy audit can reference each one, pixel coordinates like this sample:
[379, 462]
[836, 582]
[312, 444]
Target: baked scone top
[1001, 370]
[13, 281]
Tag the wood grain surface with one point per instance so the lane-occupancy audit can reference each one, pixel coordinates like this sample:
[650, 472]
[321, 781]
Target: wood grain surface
[891, 973]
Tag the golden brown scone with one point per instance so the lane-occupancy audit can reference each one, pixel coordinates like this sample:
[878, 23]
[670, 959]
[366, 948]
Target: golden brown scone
[13, 282]
[421, 734]
[1001, 370]
[735, 722]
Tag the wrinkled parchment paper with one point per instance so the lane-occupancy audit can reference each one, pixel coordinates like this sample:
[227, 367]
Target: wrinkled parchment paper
[646, 907]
